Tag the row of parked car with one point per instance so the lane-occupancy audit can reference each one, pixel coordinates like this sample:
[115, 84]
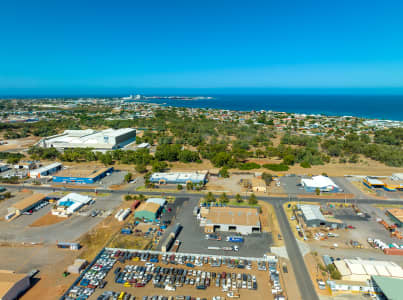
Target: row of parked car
[172, 278]
[109, 295]
[276, 290]
[93, 278]
[39, 206]
[188, 260]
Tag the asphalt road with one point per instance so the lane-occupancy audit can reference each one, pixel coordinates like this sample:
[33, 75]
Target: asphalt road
[302, 276]
[304, 281]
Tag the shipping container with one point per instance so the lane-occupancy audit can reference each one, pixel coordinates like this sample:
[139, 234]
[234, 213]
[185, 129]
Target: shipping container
[393, 251]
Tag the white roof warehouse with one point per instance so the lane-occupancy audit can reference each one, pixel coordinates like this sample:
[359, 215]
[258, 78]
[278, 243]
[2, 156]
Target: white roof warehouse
[107, 139]
[323, 183]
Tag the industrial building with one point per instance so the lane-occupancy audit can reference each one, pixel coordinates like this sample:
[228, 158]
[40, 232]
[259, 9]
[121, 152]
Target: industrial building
[13, 285]
[323, 183]
[259, 185]
[230, 219]
[104, 140]
[313, 217]
[148, 211]
[179, 178]
[396, 215]
[390, 185]
[81, 175]
[362, 270]
[45, 170]
[27, 203]
[69, 204]
[387, 288]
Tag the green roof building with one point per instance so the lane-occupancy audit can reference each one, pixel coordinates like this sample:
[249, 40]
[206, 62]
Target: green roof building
[388, 287]
[148, 211]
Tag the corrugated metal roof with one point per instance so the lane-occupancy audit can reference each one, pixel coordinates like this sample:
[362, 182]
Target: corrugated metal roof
[392, 288]
[312, 212]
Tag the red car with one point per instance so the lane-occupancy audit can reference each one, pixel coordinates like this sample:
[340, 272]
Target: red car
[140, 284]
[350, 227]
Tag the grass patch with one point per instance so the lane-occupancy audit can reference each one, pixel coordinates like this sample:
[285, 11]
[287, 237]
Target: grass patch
[244, 203]
[129, 242]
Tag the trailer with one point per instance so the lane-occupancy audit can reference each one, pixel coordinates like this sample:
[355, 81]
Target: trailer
[213, 248]
[235, 239]
[124, 214]
[67, 245]
[176, 246]
[119, 213]
[126, 231]
[135, 204]
[177, 229]
[167, 244]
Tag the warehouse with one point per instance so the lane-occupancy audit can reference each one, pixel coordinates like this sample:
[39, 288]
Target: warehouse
[148, 211]
[313, 217]
[230, 219]
[387, 288]
[45, 170]
[70, 203]
[179, 178]
[321, 183]
[396, 215]
[81, 175]
[28, 203]
[13, 285]
[362, 270]
[104, 140]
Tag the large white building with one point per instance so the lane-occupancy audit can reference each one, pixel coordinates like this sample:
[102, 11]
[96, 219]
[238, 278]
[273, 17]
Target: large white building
[107, 139]
[323, 183]
[362, 270]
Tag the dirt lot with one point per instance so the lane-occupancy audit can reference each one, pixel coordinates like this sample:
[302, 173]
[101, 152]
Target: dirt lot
[270, 223]
[46, 220]
[19, 144]
[263, 291]
[49, 260]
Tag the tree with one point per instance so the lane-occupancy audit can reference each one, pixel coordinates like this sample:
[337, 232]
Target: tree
[224, 198]
[189, 186]
[179, 187]
[317, 191]
[141, 168]
[128, 177]
[252, 199]
[305, 164]
[238, 198]
[128, 197]
[210, 197]
[289, 159]
[267, 177]
[224, 172]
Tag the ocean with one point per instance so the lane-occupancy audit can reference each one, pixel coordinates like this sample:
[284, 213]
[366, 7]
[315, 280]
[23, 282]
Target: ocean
[386, 107]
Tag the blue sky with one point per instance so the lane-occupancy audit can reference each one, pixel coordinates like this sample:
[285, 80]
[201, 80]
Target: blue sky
[120, 46]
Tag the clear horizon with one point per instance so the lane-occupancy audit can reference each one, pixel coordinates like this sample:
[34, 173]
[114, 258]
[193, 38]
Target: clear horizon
[80, 47]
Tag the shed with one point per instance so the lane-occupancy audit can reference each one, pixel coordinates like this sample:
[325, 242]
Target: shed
[29, 202]
[148, 211]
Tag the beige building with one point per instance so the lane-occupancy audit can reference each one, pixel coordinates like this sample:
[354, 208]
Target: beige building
[27, 203]
[259, 185]
[230, 219]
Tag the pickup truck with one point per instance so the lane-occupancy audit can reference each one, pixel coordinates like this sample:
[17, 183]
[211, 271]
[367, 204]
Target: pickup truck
[232, 295]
